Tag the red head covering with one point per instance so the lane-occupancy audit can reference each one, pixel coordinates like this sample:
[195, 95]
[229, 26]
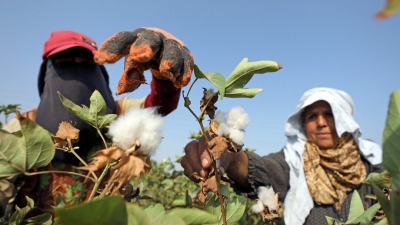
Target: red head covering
[62, 40]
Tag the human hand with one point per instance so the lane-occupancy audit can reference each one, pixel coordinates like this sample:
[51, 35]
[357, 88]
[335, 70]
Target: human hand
[197, 161]
[147, 48]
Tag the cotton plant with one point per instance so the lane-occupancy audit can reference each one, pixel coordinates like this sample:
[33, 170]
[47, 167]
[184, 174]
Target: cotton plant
[136, 136]
[226, 130]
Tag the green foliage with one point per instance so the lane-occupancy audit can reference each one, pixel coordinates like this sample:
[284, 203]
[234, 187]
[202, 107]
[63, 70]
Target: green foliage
[30, 148]
[243, 73]
[233, 85]
[357, 214]
[7, 110]
[105, 211]
[18, 217]
[391, 154]
[115, 210]
[96, 115]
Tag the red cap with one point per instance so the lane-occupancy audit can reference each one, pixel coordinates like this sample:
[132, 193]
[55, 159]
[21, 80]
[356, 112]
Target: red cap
[63, 40]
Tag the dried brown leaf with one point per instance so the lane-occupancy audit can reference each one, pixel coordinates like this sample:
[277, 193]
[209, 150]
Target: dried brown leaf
[102, 157]
[66, 131]
[131, 166]
[214, 127]
[218, 145]
[209, 108]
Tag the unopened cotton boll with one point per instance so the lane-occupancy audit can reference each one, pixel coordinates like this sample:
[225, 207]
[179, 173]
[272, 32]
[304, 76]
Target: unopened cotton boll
[209, 93]
[142, 124]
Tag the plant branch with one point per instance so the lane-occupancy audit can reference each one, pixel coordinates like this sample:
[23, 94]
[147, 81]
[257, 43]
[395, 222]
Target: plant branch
[97, 182]
[60, 172]
[102, 137]
[71, 149]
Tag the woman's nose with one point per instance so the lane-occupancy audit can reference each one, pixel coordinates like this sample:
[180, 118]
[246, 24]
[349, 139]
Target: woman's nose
[321, 120]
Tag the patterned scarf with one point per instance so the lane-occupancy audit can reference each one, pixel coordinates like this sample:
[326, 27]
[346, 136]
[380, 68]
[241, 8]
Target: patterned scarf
[332, 173]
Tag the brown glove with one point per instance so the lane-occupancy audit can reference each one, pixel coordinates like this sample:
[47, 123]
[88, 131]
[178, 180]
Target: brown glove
[147, 48]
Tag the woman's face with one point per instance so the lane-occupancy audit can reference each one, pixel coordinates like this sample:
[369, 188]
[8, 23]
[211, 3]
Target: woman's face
[319, 125]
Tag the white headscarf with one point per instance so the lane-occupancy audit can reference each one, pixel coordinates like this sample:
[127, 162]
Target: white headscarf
[298, 201]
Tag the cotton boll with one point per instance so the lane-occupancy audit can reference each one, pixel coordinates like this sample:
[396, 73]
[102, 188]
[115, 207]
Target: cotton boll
[238, 118]
[267, 197]
[236, 136]
[220, 117]
[223, 129]
[138, 124]
[258, 207]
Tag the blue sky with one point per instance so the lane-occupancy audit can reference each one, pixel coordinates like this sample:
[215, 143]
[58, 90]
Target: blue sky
[335, 44]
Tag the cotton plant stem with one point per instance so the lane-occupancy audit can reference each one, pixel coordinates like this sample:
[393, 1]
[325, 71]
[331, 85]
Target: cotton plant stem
[98, 181]
[102, 137]
[108, 185]
[59, 172]
[214, 165]
[71, 149]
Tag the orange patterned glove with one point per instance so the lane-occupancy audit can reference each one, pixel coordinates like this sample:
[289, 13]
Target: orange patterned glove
[147, 48]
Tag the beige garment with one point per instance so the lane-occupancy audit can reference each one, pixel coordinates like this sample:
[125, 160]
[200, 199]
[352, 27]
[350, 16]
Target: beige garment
[332, 173]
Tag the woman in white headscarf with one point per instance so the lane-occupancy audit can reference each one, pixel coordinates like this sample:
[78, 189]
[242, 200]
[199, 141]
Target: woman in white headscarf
[324, 160]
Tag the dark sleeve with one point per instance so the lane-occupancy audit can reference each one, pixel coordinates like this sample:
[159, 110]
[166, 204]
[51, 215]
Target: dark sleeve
[164, 95]
[271, 170]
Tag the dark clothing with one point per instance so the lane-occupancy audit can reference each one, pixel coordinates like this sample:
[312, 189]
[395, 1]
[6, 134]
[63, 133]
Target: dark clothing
[77, 83]
[272, 170]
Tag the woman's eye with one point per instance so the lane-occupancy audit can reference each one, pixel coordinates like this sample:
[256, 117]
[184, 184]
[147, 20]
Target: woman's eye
[311, 116]
[329, 114]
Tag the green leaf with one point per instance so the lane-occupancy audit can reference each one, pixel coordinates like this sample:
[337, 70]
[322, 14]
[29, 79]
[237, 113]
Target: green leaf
[95, 115]
[242, 92]
[332, 221]
[97, 104]
[105, 211]
[82, 112]
[356, 206]
[395, 205]
[42, 219]
[382, 180]
[244, 71]
[39, 144]
[193, 215]
[383, 200]
[169, 220]
[182, 201]
[18, 216]
[103, 121]
[367, 216]
[12, 154]
[235, 209]
[215, 78]
[31, 147]
[391, 139]
[197, 72]
[155, 211]
[136, 215]
[383, 221]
